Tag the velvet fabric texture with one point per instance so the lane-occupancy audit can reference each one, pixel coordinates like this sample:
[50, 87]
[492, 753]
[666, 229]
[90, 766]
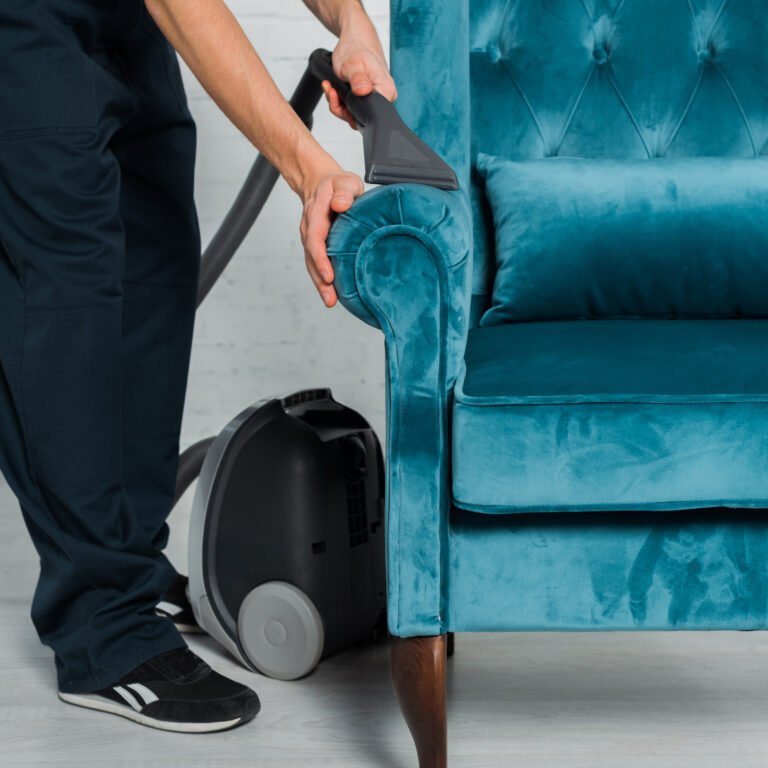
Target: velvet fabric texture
[607, 79]
[608, 571]
[573, 416]
[602, 238]
[583, 78]
[401, 257]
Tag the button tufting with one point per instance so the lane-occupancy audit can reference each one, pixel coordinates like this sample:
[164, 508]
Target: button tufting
[494, 52]
[708, 53]
[601, 53]
[602, 31]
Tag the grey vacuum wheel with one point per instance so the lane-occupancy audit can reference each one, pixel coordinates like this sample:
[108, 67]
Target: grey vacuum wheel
[280, 630]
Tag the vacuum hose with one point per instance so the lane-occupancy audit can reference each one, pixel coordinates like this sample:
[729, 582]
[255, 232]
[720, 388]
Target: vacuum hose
[229, 237]
[252, 196]
[392, 152]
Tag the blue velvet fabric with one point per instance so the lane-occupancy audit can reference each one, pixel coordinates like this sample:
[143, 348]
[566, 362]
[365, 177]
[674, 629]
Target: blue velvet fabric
[580, 415]
[607, 78]
[597, 571]
[628, 238]
[584, 78]
[401, 257]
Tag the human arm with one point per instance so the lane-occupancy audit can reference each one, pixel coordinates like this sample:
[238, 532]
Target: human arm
[216, 49]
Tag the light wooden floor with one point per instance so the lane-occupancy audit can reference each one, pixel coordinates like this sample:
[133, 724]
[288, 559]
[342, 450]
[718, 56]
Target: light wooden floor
[544, 700]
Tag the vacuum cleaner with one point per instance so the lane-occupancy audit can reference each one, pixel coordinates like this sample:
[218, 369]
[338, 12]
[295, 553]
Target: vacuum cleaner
[286, 540]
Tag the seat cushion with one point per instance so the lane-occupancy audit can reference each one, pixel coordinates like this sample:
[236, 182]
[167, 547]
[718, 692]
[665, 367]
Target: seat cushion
[664, 238]
[613, 415]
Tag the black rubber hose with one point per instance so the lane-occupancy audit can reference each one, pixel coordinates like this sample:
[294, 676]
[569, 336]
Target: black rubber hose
[190, 464]
[252, 196]
[229, 237]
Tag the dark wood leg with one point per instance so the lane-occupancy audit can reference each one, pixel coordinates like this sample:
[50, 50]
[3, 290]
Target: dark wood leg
[418, 674]
[450, 644]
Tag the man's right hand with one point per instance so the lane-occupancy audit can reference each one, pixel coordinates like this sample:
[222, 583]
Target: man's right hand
[333, 192]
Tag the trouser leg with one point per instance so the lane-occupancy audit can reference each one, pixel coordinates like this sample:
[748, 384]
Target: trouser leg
[61, 407]
[156, 153]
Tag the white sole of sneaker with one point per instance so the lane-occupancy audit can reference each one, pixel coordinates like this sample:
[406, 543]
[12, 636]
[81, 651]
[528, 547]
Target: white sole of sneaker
[190, 629]
[101, 704]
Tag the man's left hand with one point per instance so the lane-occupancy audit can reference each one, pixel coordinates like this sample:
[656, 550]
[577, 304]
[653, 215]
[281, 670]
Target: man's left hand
[361, 63]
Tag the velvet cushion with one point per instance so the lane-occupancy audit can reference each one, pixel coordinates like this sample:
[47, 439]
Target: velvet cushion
[612, 415]
[698, 569]
[637, 238]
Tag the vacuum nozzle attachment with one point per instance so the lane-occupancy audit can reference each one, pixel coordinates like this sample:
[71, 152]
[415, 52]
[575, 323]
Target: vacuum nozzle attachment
[393, 153]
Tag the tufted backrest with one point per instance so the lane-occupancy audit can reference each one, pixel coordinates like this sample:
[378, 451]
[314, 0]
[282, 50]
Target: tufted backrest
[582, 78]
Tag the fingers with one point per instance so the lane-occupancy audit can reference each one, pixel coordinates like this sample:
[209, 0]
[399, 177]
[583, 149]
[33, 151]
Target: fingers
[314, 230]
[337, 108]
[334, 194]
[387, 87]
[327, 292]
[365, 72]
[355, 70]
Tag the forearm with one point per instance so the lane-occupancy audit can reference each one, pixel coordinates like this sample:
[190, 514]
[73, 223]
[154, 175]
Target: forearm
[345, 17]
[214, 46]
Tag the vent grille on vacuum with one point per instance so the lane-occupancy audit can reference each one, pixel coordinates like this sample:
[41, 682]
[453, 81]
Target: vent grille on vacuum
[306, 396]
[357, 513]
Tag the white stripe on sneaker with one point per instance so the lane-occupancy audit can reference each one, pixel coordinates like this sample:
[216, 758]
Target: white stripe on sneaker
[169, 608]
[129, 697]
[101, 704]
[143, 692]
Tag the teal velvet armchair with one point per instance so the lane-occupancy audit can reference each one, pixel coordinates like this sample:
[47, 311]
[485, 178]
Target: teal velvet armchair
[603, 467]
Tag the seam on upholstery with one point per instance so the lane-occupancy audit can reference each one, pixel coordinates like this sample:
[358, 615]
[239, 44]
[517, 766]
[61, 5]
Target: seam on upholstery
[513, 78]
[692, 11]
[656, 506]
[631, 117]
[394, 418]
[439, 222]
[507, 401]
[738, 106]
[691, 98]
[587, 11]
[717, 17]
[572, 113]
[349, 216]
[399, 198]
[700, 38]
[367, 247]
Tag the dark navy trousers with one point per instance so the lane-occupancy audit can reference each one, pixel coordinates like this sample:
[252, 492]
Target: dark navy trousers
[99, 256]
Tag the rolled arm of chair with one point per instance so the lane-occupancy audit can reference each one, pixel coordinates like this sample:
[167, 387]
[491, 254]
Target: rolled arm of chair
[402, 263]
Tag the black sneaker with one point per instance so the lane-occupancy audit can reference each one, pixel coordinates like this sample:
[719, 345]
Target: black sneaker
[175, 691]
[175, 605]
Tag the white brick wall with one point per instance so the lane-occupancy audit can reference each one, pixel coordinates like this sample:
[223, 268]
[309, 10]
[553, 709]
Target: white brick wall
[263, 331]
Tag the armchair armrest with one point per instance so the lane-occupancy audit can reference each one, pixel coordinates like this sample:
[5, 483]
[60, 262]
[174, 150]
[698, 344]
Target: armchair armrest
[402, 263]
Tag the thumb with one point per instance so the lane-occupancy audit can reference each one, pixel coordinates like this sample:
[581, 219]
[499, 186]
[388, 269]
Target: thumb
[345, 189]
[356, 74]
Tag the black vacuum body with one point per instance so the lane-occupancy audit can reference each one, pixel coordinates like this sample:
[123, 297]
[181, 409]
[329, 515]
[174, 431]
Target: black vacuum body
[286, 541]
[286, 547]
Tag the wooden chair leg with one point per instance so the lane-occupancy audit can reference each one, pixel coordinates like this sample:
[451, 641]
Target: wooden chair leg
[418, 674]
[450, 644]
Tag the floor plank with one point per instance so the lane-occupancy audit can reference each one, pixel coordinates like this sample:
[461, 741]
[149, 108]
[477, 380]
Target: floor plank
[624, 700]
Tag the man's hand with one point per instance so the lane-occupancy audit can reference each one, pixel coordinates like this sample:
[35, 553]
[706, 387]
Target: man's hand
[213, 44]
[361, 63]
[358, 57]
[333, 192]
